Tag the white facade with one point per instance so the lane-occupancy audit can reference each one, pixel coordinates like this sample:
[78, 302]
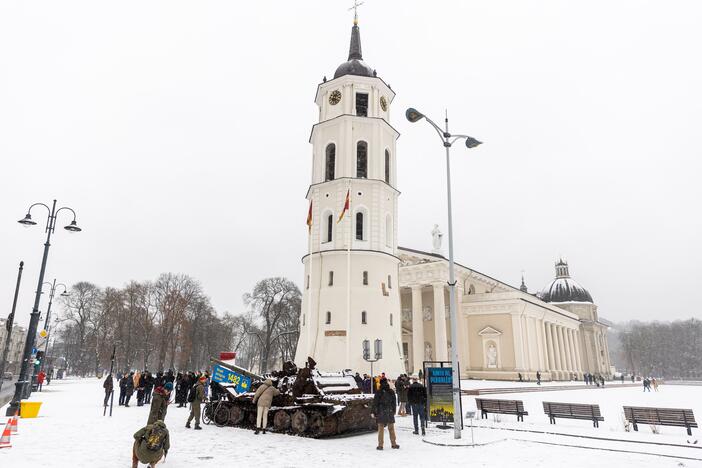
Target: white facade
[17, 339]
[351, 289]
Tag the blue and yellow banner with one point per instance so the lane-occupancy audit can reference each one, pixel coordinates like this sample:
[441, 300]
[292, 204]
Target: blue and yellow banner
[225, 376]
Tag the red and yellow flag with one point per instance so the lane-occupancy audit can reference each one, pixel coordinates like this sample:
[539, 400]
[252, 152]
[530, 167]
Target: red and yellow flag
[309, 218]
[347, 203]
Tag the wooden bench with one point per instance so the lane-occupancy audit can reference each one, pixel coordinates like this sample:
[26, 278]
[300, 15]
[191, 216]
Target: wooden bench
[661, 417]
[573, 411]
[486, 406]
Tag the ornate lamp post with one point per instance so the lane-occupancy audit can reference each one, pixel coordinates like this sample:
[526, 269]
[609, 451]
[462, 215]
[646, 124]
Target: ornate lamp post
[413, 115]
[34, 318]
[8, 325]
[47, 324]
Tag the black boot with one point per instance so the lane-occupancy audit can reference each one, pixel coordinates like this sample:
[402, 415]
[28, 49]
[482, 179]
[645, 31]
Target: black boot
[187, 425]
[256, 431]
[198, 428]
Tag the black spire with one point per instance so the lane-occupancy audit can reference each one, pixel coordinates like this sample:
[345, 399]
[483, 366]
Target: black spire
[355, 47]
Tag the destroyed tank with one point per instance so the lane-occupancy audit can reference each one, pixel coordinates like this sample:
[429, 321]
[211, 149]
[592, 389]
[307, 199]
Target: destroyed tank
[311, 403]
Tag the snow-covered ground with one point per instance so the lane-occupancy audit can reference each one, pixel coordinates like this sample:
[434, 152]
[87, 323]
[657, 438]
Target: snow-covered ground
[71, 432]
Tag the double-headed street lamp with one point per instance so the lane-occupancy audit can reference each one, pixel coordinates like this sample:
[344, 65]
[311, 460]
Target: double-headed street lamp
[47, 324]
[413, 115]
[34, 318]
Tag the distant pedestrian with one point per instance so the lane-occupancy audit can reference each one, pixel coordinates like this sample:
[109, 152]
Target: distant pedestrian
[417, 399]
[646, 385]
[359, 380]
[159, 403]
[384, 411]
[108, 386]
[151, 443]
[122, 389]
[148, 387]
[181, 390]
[40, 379]
[633, 378]
[538, 377]
[622, 376]
[263, 398]
[654, 382]
[129, 390]
[602, 381]
[519, 374]
[401, 385]
[196, 399]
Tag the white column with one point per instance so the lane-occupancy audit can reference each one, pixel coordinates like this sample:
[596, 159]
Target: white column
[567, 365]
[549, 347]
[576, 342]
[561, 349]
[538, 332]
[571, 350]
[556, 349]
[440, 341]
[417, 328]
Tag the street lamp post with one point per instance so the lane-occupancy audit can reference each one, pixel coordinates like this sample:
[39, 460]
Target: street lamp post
[47, 324]
[34, 317]
[8, 325]
[413, 115]
[378, 355]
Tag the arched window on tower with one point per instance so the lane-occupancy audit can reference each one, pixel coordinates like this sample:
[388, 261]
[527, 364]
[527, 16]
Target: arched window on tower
[387, 166]
[328, 321]
[359, 225]
[330, 162]
[330, 228]
[363, 318]
[362, 160]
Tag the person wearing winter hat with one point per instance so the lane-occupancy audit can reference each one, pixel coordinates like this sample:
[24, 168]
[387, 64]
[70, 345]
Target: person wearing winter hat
[198, 395]
[159, 403]
[263, 398]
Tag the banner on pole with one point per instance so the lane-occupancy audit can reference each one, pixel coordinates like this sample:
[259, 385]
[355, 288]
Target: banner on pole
[439, 382]
[225, 376]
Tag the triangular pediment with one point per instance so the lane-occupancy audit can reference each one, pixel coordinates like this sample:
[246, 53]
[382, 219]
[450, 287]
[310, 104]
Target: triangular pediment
[489, 331]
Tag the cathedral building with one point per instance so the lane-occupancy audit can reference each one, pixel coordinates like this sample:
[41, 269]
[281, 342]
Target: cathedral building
[359, 285]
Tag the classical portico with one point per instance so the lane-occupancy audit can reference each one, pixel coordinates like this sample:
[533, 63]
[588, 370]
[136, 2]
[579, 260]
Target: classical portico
[502, 331]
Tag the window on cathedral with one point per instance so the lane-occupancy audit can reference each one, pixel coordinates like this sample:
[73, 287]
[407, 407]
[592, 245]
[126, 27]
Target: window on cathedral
[363, 318]
[331, 278]
[307, 286]
[328, 320]
[359, 225]
[391, 320]
[362, 160]
[330, 162]
[330, 228]
[387, 166]
[362, 104]
[365, 278]
[389, 282]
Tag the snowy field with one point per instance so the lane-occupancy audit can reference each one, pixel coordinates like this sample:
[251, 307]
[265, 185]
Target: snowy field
[71, 432]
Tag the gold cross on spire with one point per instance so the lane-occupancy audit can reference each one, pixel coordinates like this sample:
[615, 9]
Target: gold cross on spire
[355, 6]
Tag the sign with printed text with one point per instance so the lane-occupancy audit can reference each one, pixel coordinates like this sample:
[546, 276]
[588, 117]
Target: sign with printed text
[225, 376]
[439, 387]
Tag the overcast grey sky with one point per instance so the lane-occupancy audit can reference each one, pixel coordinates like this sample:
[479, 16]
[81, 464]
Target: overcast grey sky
[178, 130]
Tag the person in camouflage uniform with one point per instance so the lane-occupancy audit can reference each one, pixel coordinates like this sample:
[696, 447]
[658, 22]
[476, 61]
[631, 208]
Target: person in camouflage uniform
[151, 443]
[159, 403]
[199, 396]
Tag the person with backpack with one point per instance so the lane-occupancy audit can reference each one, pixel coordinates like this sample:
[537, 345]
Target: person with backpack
[263, 398]
[159, 403]
[151, 443]
[107, 385]
[417, 398]
[197, 395]
[383, 409]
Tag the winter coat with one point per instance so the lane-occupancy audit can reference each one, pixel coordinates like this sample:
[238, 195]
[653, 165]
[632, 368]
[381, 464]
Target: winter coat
[144, 454]
[401, 387]
[384, 405]
[130, 385]
[123, 383]
[148, 382]
[417, 394]
[199, 389]
[265, 393]
[107, 384]
[159, 405]
[136, 379]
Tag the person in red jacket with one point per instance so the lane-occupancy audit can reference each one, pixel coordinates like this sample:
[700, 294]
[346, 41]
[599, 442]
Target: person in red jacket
[40, 379]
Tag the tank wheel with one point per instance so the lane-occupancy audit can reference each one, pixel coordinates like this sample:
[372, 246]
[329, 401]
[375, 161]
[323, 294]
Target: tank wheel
[236, 415]
[221, 416]
[281, 421]
[299, 422]
[251, 418]
[315, 424]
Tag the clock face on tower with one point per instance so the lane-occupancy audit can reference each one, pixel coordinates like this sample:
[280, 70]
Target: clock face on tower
[335, 97]
[383, 103]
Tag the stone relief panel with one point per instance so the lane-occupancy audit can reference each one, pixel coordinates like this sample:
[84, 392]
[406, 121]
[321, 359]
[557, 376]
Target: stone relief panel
[428, 351]
[428, 314]
[406, 315]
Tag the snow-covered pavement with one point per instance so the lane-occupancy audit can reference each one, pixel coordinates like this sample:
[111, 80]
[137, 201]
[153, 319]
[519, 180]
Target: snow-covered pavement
[71, 432]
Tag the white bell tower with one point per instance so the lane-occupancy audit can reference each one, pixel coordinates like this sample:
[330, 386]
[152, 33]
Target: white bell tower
[351, 291]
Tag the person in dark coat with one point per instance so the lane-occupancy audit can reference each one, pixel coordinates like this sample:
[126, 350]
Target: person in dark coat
[180, 388]
[141, 384]
[169, 377]
[538, 377]
[123, 389]
[401, 385]
[359, 380]
[366, 383]
[129, 389]
[108, 386]
[417, 399]
[383, 410]
[148, 387]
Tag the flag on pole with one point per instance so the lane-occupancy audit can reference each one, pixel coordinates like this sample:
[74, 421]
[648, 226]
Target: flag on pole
[346, 206]
[309, 218]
